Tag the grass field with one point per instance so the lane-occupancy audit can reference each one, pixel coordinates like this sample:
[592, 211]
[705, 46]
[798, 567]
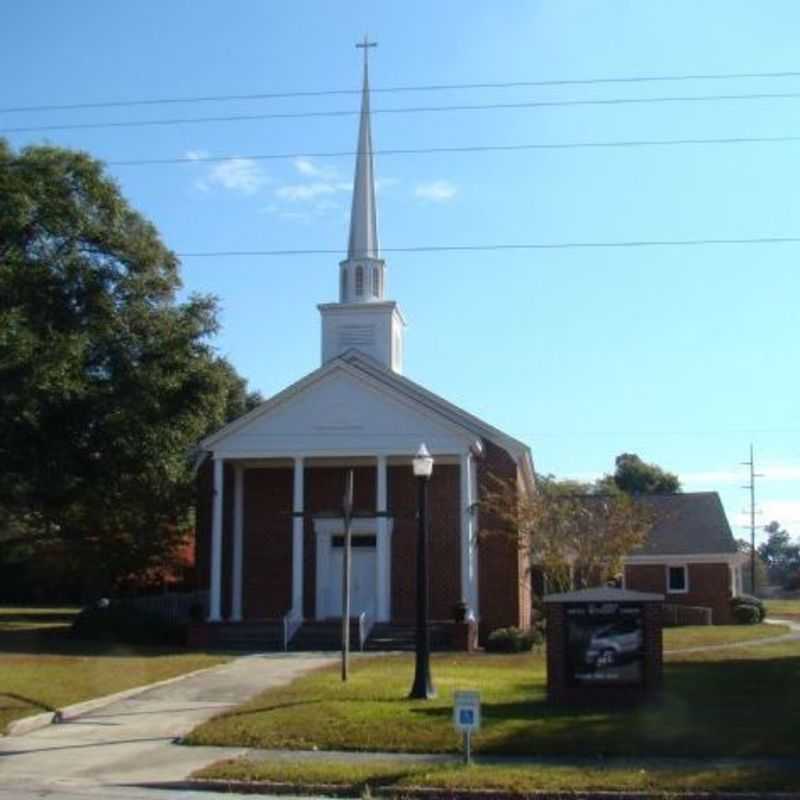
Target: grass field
[42, 669]
[737, 702]
[705, 635]
[784, 608]
[643, 777]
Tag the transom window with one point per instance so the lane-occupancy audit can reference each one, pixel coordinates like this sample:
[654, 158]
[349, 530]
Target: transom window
[355, 541]
[359, 281]
[677, 579]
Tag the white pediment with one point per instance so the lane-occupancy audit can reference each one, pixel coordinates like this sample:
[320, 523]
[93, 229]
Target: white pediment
[340, 412]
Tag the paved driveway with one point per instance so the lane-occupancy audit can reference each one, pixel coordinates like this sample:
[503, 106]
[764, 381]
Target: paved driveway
[132, 741]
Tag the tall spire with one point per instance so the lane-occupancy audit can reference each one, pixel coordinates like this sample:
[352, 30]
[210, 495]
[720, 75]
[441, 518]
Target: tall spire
[363, 241]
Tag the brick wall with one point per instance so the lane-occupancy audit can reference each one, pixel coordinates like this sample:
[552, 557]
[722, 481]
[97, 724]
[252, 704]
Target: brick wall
[709, 586]
[503, 574]
[444, 561]
[267, 547]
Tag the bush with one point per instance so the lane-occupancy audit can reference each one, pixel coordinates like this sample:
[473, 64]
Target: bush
[512, 640]
[115, 622]
[749, 601]
[746, 614]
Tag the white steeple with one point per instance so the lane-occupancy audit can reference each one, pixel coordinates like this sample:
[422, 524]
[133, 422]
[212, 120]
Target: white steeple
[363, 222]
[363, 319]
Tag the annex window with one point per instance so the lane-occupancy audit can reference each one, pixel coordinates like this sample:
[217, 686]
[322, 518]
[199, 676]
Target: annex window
[677, 579]
[359, 281]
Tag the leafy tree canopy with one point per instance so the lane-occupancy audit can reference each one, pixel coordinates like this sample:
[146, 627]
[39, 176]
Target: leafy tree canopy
[108, 380]
[634, 476]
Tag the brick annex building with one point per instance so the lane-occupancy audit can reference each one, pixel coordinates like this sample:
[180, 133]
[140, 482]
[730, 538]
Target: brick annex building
[268, 548]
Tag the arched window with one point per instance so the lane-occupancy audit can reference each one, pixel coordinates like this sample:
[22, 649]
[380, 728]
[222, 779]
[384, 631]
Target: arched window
[359, 281]
[376, 282]
[343, 290]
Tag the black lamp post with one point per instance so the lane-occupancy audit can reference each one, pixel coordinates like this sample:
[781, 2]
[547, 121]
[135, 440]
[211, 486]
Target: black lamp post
[423, 686]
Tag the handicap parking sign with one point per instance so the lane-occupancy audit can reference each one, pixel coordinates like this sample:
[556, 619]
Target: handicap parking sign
[467, 711]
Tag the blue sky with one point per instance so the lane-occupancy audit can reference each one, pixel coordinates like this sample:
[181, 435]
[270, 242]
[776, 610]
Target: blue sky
[682, 355]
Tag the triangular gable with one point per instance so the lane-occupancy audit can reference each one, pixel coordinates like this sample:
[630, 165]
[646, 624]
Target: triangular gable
[339, 409]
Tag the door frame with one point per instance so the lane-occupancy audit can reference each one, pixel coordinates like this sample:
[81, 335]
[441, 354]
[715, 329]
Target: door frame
[325, 529]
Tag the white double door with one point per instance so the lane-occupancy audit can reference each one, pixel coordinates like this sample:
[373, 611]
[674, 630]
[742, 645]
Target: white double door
[363, 580]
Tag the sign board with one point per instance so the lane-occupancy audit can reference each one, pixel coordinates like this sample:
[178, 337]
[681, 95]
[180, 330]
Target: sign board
[467, 711]
[605, 644]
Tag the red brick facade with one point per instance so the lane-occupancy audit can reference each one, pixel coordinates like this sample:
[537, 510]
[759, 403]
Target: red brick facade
[709, 586]
[267, 522]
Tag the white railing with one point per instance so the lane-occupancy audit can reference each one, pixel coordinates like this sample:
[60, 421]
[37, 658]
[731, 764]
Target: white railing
[365, 624]
[290, 627]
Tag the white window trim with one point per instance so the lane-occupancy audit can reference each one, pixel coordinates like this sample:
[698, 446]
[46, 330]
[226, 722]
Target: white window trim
[685, 568]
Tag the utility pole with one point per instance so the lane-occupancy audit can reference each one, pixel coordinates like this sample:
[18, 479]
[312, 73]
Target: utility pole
[752, 487]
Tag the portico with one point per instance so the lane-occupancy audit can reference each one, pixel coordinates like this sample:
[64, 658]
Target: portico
[372, 531]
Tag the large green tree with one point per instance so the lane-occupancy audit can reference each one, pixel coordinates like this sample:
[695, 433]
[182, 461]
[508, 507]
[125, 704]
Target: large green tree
[107, 380]
[634, 476]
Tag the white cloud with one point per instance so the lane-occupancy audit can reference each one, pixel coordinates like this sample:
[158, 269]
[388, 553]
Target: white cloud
[237, 175]
[787, 512]
[305, 166]
[296, 192]
[196, 155]
[770, 472]
[440, 191]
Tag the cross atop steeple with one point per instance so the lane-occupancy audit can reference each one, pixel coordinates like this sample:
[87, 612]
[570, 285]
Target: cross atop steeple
[365, 45]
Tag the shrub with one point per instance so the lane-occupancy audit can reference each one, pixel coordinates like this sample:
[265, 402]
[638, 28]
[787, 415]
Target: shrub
[749, 600]
[746, 614]
[512, 640]
[115, 622]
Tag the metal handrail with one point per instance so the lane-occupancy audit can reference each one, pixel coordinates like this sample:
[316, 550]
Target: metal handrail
[365, 625]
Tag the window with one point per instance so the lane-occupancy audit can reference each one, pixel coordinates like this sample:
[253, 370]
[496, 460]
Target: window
[343, 290]
[376, 282]
[677, 579]
[359, 281]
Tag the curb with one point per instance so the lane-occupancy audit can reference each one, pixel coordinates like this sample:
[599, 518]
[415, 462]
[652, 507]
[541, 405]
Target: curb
[29, 724]
[424, 793]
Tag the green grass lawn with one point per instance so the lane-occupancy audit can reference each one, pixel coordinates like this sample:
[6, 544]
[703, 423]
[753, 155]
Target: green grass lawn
[42, 669]
[704, 635]
[738, 702]
[643, 777]
[784, 608]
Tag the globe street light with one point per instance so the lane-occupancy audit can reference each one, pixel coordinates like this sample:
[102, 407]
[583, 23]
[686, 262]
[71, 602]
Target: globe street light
[422, 688]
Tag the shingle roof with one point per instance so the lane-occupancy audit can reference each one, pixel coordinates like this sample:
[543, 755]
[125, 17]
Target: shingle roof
[691, 523]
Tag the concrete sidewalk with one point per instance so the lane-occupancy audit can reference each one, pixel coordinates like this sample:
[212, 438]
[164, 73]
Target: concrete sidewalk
[131, 741]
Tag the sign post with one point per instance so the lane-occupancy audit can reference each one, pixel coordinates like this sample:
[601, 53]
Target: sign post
[467, 718]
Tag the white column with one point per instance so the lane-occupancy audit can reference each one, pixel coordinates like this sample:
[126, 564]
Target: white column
[297, 540]
[468, 594]
[473, 477]
[383, 554]
[215, 589]
[238, 543]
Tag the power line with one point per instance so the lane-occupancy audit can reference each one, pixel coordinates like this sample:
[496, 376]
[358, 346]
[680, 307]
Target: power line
[613, 101]
[397, 89]
[642, 243]
[489, 148]
[618, 144]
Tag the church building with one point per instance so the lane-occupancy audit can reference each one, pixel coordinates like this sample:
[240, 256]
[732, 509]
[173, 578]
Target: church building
[270, 486]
